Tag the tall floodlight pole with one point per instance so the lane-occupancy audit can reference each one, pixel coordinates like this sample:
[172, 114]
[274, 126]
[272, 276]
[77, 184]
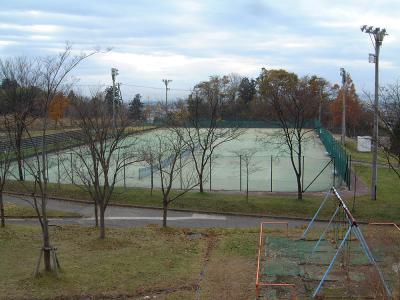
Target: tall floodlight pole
[114, 73]
[166, 82]
[344, 77]
[376, 35]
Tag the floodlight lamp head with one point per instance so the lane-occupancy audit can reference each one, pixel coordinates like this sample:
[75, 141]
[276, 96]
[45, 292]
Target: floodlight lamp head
[363, 28]
[114, 72]
[342, 72]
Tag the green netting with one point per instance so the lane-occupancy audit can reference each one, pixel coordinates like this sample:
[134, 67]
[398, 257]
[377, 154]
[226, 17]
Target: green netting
[238, 123]
[290, 257]
[287, 260]
[336, 151]
[203, 123]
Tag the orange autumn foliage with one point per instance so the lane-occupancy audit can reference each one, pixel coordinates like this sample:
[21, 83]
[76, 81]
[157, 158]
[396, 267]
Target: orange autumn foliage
[354, 108]
[58, 106]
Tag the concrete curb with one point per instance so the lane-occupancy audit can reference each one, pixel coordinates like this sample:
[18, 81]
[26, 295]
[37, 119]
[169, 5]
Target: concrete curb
[35, 217]
[236, 214]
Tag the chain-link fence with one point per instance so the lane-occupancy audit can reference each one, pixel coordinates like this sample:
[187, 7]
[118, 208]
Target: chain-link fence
[341, 159]
[255, 161]
[264, 173]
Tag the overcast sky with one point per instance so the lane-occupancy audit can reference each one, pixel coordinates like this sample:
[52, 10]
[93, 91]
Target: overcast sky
[188, 41]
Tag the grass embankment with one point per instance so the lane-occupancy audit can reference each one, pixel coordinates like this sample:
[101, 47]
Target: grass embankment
[385, 209]
[135, 263]
[351, 147]
[14, 210]
[387, 206]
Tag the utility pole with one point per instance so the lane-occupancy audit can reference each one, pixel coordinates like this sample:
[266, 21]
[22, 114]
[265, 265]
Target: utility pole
[344, 79]
[114, 73]
[119, 92]
[376, 35]
[166, 82]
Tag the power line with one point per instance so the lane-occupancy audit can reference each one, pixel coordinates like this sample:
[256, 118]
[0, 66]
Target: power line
[134, 85]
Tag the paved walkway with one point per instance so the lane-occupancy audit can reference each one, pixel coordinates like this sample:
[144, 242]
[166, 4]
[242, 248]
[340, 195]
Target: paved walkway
[130, 217]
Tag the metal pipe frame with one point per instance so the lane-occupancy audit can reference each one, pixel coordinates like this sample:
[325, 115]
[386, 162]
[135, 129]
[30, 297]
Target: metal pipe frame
[260, 284]
[332, 263]
[326, 229]
[368, 253]
[385, 224]
[353, 227]
[303, 236]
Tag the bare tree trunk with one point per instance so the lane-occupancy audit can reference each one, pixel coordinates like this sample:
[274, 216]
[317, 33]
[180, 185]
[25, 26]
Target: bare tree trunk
[299, 187]
[46, 236]
[2, 217]
[201, 182]
[18, 152]
[165, 211]
[20, 170]
[96, 214]
[46, 244]
[247, 183]
[102, 224]
[299, 173]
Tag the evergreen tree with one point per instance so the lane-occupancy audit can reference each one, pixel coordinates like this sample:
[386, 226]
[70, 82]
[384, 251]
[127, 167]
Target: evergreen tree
[136, 108]
[109, 97]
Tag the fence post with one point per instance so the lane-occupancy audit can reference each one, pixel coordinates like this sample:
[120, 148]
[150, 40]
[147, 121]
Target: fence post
[180, 168]
[210, 172]
[302, 177]
[334, 170]
[72, 170]
[124, 173]
[58, 169]
[349, 172]
[247, 180]
[355, 190]
[151, 178]
[240, 172]
[47, 167]
[271, 173]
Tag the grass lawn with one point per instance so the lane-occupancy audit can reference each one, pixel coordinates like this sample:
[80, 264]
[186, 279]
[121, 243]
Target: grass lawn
[14, 210]
[150, 262]
[130, 263]
[387, 205]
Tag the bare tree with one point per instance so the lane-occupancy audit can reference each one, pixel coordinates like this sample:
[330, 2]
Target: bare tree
[294, 105]
[172, 158]
[247, 157]
[6, 156]
[19, 95]
[104, 153]
[389, 114]
[203, 130]
[54, 77]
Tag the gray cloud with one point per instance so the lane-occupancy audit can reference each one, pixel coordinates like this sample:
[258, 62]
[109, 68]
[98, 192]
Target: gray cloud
[190, 40]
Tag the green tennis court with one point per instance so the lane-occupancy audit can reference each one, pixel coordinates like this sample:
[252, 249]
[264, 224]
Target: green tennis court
[268, 167]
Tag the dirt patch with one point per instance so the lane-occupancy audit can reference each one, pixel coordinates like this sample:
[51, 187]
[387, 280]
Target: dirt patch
[229, 278]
